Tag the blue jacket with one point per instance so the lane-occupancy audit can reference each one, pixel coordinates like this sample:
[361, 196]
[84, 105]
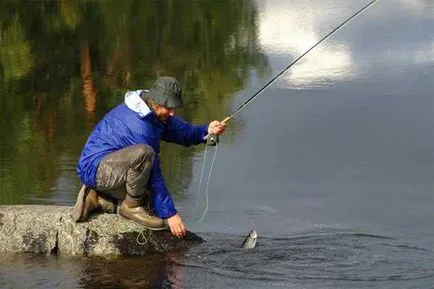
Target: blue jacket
[133, 123]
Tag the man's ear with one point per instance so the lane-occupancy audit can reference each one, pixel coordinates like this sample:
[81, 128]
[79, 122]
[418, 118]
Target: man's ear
[154, 106]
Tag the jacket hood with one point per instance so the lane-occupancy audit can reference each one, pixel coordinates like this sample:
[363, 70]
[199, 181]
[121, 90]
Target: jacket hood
[134, 102]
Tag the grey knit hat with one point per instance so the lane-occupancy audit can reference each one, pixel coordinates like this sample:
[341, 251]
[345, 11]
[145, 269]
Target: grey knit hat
[165, 91]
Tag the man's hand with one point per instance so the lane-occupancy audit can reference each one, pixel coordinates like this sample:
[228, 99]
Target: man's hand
[177, 226]
[216, 127]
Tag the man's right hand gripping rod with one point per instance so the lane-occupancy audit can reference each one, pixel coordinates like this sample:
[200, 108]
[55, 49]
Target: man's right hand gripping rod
[212, 139]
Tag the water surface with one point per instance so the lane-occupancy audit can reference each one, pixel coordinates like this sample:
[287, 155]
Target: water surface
[333, 165]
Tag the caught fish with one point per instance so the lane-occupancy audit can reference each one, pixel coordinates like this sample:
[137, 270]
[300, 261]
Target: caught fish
[250, 241]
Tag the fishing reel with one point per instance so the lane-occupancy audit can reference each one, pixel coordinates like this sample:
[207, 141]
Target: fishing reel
[212, 140]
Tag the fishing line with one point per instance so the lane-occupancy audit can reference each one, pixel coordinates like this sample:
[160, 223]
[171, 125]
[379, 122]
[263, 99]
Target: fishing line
[207, 183]
[208, 180]
[201, 178]
[249, 100]
[203, 168]
[141, 236]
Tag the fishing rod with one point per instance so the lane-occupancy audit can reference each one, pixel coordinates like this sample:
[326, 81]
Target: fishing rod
[213, 140]
[289, 66]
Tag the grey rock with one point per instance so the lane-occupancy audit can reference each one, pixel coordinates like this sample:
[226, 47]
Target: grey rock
[50, 230]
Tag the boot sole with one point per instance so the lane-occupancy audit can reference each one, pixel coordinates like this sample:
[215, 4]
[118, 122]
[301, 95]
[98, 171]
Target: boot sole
[77, 211]
[146, 227]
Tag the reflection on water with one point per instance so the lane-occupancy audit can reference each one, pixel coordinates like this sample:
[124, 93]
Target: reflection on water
[64, 64]
[152, 271]
[283, 33]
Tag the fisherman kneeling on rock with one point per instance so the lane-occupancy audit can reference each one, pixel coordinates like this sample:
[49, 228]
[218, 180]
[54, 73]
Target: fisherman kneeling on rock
[120, 166]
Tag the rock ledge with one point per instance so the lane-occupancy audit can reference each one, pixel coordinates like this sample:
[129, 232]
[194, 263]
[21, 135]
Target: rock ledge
[50, 230]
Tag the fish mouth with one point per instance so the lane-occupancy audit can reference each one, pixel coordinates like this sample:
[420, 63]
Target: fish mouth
[253, 234]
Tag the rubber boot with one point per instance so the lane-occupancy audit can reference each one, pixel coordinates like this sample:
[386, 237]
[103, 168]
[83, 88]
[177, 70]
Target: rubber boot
[132, 209]
[89, 200]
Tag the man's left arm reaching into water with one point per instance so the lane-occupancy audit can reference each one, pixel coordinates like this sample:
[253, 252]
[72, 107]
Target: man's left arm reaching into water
[182, 133]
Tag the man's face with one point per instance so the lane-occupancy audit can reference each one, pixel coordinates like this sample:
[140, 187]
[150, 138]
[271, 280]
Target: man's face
[163, 113]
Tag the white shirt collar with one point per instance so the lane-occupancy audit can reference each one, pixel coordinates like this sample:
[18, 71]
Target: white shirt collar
[134, 102]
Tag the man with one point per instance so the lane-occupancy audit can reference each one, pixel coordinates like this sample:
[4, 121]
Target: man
[120, 160]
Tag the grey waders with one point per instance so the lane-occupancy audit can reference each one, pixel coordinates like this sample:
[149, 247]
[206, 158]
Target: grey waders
[123, 175]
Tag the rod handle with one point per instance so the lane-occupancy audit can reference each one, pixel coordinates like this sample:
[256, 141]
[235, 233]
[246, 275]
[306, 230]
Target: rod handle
[224, 121]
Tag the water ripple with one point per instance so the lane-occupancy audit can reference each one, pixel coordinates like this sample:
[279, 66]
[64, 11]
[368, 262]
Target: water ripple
[350, 257]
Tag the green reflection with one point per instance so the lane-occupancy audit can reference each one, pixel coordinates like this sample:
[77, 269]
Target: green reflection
[63, 64]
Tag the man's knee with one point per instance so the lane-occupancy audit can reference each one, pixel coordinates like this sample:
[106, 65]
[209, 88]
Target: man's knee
[141, 154]
[114, 168]
[144, 149]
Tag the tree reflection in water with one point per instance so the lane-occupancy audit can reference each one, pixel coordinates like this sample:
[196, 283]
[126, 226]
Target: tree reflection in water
[153, 271]
[63, 64]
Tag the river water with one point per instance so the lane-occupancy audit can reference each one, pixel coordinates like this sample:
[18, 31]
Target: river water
[333, 164]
